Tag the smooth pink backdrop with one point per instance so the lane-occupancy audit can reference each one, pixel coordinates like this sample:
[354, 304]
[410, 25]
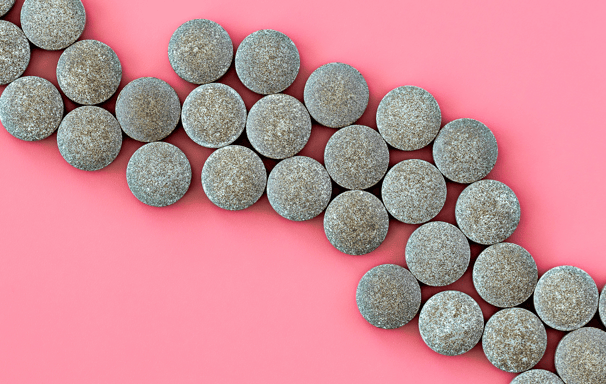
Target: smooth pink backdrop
[96, 287]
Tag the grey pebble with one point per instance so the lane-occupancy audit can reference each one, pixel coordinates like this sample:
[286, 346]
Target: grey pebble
[505, 275]
[451, 323]
[336, 95]
[566, 298]
[214, 115]
[414, 191]
[234, 177]
[465, 151]
[278, 126]
[299, 188]
[409, 118]
[14, 52]
[53, 24]
[356, 222]
[89, 138]
[148, 109]
[200, 51]
[537, 376]
[437, 253]
[267, 61]
[5, 6]
[158, 174]
[356, 157]
[31, 108]
[602, 306]
[487, 212]
[580, 357]
[388, 296]
[514, 340]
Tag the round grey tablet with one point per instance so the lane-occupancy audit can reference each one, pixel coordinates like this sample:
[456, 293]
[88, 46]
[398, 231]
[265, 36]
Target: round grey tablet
[148, 109]
[336, 95]
[537, 376]
[299, 188]
[214, 115]
[234, 177]
[14, 52]
[388, 296]
[267, 61]
[581, 357]
[465, 151]
[414, 191]
[31, 108]
[278, 126]
[451, 323]
[514, 340]
[487, 212]
[158, 174]
[437, 253]
[602, 306]
[5, 6]
[356, 157]
[409, 118]
[89, 138]
[566, 298]
[356, 222]
[53, 24]
[200, 51]
[505, 275]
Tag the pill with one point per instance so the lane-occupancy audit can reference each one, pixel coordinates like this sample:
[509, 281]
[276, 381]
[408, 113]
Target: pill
[537, 376]
[603, 306]
[14, 52]
[580, 357]
[53, 24]
[5, 6]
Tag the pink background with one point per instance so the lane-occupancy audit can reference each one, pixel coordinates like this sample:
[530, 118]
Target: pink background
[96, 287]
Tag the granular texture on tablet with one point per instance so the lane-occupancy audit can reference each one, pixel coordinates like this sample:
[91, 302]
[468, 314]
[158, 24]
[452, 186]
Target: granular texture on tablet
[89, 138]
[31, 108]
[213, 115]
[537, 376]
[299, 188]
[388, 296]
[487, 212]
[148, 109]
[566, 298]
[278, 126]
[414, 191]
[5, 6]
[437, 253]
[336, 95]
[356, 157]
[234, 177]
[267, 61]
[53, 24]
[514, 340]
[89, 72]
[14, 52]
[356, 222]
[158, 174]
[200, 51]
[451, 323]
[580, 357]
[602, 306]
[409, 118]
[465, 151]
[505, 275]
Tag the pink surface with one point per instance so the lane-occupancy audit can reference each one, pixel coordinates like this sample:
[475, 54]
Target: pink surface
[96, 287]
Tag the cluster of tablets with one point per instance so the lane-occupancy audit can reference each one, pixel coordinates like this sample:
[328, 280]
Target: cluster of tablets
[299, 188]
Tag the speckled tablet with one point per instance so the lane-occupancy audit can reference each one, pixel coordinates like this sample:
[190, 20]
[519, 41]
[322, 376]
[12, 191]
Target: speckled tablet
[409, 118]
[602, 306]
[5, 6]
[566, 298]
[14, 52]
[356, 157]
[89, 138]
[31, 108]
[267, 61]
[336, 95]
[388, 296]
[465, 151]
[53, 24]
[487, 212]
[278, 126]
[356, 222]
[299, 188]
[200, 51]
[234, 177]
[537, 376]
[580, 357]
[414, 191]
